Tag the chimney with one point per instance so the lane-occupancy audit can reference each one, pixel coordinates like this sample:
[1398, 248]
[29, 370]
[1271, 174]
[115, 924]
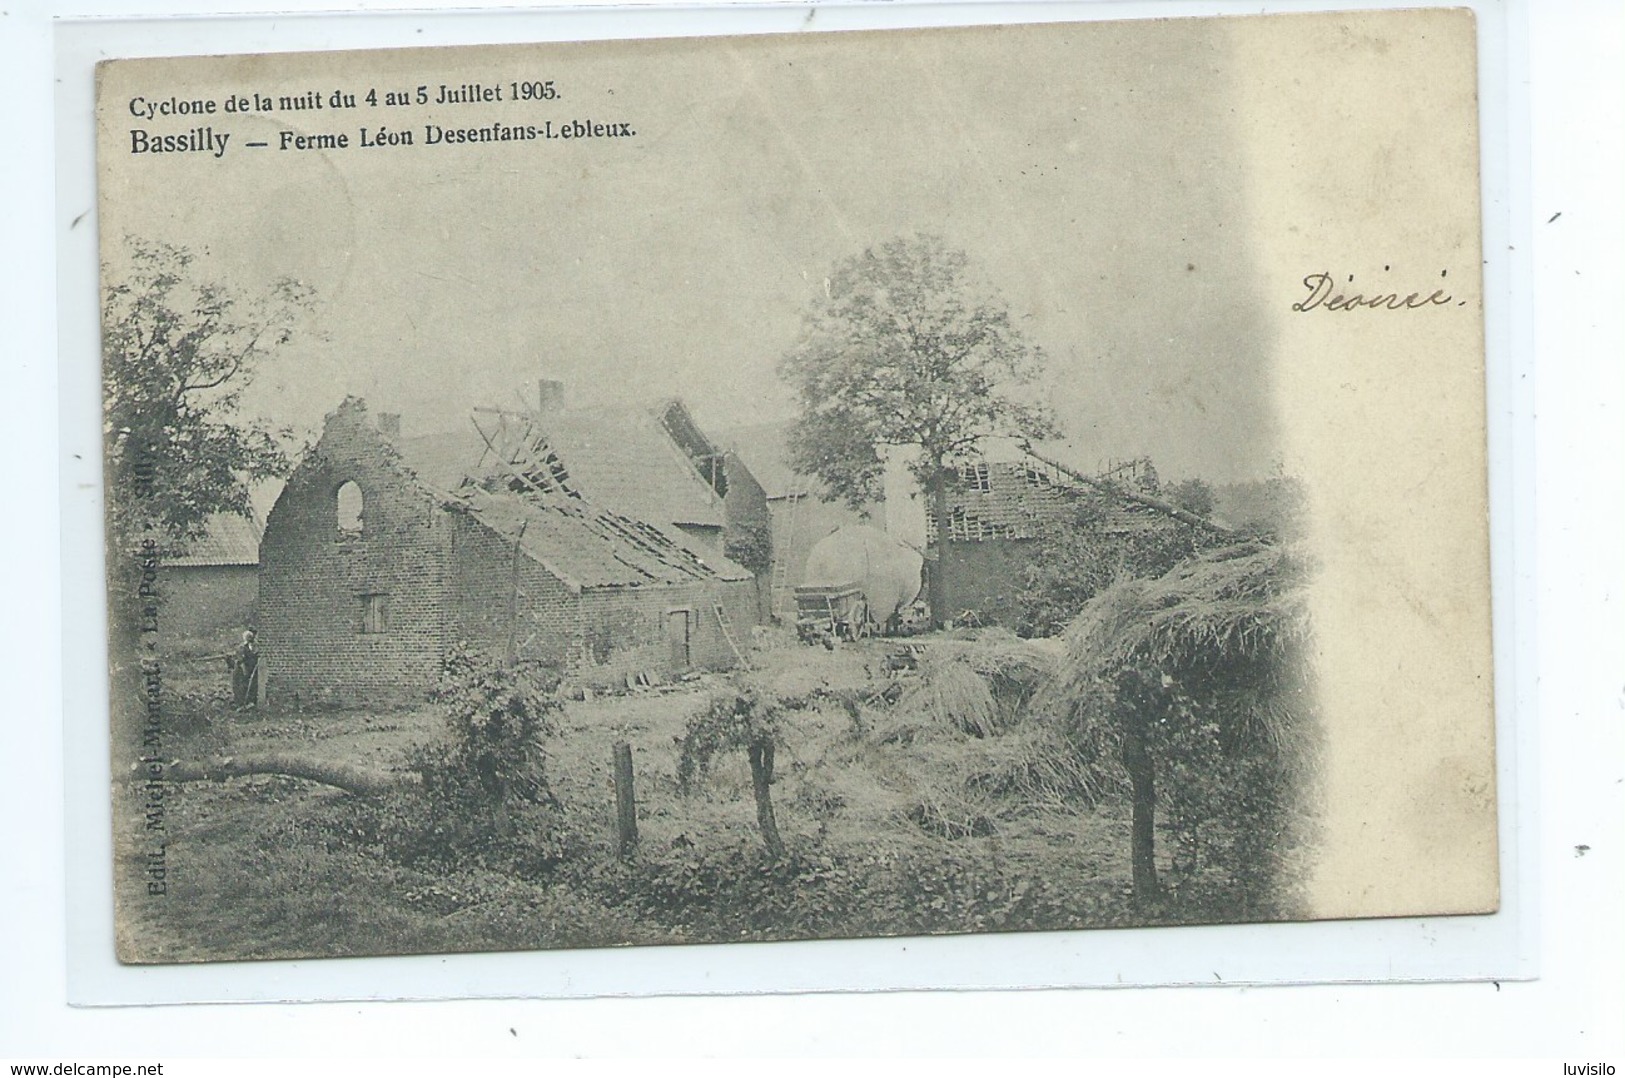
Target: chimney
[389, 423]
[549, 396]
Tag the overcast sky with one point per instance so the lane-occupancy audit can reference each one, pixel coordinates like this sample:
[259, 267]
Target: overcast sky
[1089, 171]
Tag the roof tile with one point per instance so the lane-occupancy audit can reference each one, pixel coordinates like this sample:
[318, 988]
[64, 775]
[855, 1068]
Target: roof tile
[228, 539]
[622, 459]
[592, 547]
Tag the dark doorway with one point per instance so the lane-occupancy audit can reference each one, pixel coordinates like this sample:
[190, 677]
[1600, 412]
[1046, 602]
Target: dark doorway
[677, 637]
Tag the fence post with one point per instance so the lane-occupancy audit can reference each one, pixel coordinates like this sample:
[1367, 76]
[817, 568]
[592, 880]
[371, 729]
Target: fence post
[626, 802]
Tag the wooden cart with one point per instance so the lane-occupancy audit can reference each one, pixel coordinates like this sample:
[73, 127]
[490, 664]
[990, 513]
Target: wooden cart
[829, 612]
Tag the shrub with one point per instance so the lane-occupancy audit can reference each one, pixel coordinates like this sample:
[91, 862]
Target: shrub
[750, 544]
[485, 793]
[496, 716]
[1080, 555]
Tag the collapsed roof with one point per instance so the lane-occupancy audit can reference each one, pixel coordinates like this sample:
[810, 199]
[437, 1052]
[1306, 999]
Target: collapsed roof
[593, 497]
[591, 547]
[619, 458]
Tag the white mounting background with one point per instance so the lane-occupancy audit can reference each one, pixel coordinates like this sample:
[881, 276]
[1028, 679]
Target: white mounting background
[1549, 277]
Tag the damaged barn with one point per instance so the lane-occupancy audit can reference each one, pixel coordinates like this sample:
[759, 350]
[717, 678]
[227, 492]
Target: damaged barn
[371, 572]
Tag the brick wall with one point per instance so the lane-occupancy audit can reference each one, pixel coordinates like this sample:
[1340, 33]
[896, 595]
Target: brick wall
[628, 630]
[625, 632]
[442, 576]
[987, 577]
[745, 512]
[546, 613]
[315, 583]
[738, 598]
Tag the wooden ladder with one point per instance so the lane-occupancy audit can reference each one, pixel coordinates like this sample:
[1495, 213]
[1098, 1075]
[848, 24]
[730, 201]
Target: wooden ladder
[783, 604]
[728, 633]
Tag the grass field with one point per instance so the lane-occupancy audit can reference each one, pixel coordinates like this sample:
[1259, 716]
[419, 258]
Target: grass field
[895, 824]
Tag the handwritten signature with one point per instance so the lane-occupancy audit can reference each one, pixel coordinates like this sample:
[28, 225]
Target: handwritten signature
[1325, 294]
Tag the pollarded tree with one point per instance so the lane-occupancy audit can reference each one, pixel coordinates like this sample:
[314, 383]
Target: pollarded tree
[1200, 684]
[748, 716]
[908, 349]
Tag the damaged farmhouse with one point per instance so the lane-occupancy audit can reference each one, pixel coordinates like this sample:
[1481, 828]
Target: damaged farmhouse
[383, 552]
[608, 546]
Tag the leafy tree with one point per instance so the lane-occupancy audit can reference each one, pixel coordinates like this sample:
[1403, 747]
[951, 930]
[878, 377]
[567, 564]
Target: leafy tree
[907, 349]
[1274, 509]
[1078, 555]
[1191, 495]
[177, 353]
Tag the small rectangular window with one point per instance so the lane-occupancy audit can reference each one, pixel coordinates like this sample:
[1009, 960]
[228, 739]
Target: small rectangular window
[375, 613]
[975, 477]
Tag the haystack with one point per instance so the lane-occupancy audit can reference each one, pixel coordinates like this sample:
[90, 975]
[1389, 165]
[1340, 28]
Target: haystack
[966, 755]
[1231, 628]
[1239, 605]
[1013, 668]
[953, 696]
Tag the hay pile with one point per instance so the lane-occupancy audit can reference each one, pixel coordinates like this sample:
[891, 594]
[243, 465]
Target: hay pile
[1246, 601]
[951, 696]
[967, 755]
[979, 685]
[802, 672]
[1236, 616]
[1013, 668]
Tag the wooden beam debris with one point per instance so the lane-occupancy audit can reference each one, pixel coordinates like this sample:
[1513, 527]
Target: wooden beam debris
[1184, 516]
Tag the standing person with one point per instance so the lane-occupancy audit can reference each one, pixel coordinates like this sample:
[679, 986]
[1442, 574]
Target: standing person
[245, 673]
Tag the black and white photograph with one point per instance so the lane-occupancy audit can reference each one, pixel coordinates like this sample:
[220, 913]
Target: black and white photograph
[796, 487]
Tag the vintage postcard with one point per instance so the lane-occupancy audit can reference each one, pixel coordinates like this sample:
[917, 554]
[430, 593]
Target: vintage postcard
[807, 486]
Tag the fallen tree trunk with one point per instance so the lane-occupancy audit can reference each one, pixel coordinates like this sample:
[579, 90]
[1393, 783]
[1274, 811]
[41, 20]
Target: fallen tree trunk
[364, 782]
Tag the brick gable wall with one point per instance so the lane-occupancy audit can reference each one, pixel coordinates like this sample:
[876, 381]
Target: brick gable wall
[745, 511]
[314, 583]
[445, 577]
